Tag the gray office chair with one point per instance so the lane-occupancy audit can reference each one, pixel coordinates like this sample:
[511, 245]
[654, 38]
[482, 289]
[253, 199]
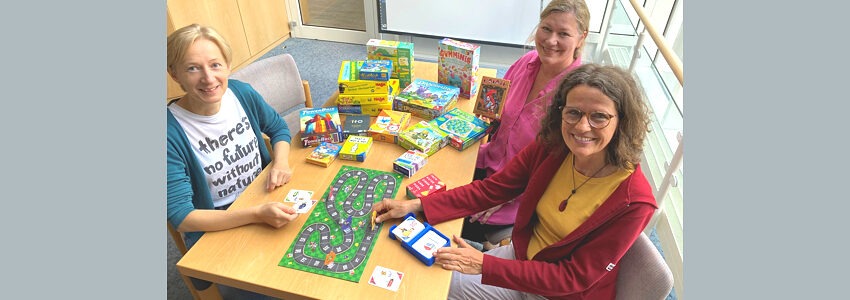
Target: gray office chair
[643, 273]
[277, 79]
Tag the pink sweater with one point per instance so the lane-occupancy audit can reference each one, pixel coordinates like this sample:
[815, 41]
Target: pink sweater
[519, 124]
[582, 265]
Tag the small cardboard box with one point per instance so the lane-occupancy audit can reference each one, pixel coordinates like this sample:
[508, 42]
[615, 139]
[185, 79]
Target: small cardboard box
[319, 125]
[425, 186]
[423, 136]
[355, 148]
[349, 83]
[388, 124]
[324, 154]
[376, 69]
[410, 162]
[356, 125]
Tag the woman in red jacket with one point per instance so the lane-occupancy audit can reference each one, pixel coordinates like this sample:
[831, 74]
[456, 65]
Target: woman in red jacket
[584, 198]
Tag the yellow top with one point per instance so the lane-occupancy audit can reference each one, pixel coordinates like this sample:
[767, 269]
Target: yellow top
[553, 224]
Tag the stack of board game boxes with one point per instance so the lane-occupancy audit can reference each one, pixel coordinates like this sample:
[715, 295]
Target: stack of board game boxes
[399, 53]
[366, 87]
[426, 99]
[458, 65]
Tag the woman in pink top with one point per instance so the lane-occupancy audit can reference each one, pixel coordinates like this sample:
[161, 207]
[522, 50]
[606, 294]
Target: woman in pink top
[558, 39]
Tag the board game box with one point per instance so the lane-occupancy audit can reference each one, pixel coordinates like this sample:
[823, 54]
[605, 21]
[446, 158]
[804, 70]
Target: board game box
[346, 99]
[324, 154]
[349, 83]
[337, 238]
[491, 97]
[356, 125]
[463, 128]
[458, 65]
[388, 124]
[365, 109]
[410, 162]
[425, 186]
[426, 99]
[400, 53]
[374, 69]
[319, 125]
[420, 239]
[423, 136]
[355, 148]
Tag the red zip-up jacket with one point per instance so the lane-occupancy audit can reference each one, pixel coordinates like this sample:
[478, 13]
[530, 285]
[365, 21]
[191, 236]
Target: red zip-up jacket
[582, 265]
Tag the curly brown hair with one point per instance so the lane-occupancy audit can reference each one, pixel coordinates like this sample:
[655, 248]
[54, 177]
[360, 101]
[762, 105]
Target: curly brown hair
[626, 146]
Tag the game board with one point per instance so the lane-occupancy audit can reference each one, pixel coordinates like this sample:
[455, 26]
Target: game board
[336, 240]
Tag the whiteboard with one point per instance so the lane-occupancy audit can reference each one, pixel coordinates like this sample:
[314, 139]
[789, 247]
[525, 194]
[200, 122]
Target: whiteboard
[501, 22]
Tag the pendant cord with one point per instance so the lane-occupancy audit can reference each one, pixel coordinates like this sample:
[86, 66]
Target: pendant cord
[563, 204]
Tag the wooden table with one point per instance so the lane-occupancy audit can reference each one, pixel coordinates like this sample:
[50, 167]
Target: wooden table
[247, 257]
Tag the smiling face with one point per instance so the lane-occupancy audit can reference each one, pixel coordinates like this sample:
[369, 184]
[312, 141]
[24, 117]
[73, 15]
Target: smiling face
[203, 75]
[583, 140]
[557, 38]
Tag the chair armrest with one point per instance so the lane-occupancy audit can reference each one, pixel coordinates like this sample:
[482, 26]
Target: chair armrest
[307, 96]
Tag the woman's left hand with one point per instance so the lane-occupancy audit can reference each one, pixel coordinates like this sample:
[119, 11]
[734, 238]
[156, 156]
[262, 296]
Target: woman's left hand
[464, 258]
[279, 174]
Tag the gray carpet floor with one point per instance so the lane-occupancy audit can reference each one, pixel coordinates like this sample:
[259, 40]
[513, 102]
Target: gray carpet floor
[318, 62]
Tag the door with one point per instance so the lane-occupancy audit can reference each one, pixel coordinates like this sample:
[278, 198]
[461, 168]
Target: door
[344, 21]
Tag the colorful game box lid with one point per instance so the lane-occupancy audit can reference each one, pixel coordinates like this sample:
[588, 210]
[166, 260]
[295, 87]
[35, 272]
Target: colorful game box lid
[318, 125]
[388, 124]
[374, 69]
[324, 154]
[355, 148]
[356, 125]
[410, 162]
[425, 186]
[463, 128]
[426, 99]
[457, 65]
[491, 97]
[420, 239]
[423, 136]
[349, 83]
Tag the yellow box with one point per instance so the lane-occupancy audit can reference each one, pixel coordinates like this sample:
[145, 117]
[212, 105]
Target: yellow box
[388, 124]
[351, 85]
[366, 109]
[346, 99]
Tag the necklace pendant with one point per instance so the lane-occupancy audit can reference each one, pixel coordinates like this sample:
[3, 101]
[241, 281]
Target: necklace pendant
[563, 205]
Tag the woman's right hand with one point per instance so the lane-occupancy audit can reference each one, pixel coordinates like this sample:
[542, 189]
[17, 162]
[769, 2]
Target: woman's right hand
[276, 214]
[393, 209]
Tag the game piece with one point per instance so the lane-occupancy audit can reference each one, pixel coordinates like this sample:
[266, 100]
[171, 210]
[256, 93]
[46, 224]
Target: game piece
[355, 148]
[426, 99]
[458, 65]
[375, 69]
[420, 239]
[319, 125]
[336, 240]
[374, 215]
[491, 97]
[463, 128]
[425, 186]
[324, 154]
[356, 125]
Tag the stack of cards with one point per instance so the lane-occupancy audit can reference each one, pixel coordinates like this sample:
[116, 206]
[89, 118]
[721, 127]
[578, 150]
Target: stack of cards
[420, 239]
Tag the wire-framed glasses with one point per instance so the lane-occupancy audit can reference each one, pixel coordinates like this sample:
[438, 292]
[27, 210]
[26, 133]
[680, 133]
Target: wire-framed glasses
[596, 119]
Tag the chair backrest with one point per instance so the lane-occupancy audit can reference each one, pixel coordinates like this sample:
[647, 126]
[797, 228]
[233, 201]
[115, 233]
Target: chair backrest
[643, 273]
[277, 79]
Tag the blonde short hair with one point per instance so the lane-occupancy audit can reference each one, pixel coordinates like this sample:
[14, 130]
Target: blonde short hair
[180, 40]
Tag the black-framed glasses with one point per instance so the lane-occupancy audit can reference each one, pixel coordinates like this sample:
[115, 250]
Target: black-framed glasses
[596, 119]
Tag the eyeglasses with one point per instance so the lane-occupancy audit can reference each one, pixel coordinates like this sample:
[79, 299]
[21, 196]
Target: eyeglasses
[596, 119]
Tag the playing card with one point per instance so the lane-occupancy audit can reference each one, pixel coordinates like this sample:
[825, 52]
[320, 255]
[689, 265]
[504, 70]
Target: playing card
[429, 243]
[408, 229]
[294, 195]
[303, 205]
[386, 278]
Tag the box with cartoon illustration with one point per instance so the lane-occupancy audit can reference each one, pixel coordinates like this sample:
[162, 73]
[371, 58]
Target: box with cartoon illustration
[425, 186]
[351, 84]
[324, 154]
[463, 128]
[366, 99]
[388, 124]
[376, 69]
[420, 239]
[458, 65]
[355, 148]
[319, 125]
[410, 162]
[426, 99]
[423, 136]
[400, 53]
